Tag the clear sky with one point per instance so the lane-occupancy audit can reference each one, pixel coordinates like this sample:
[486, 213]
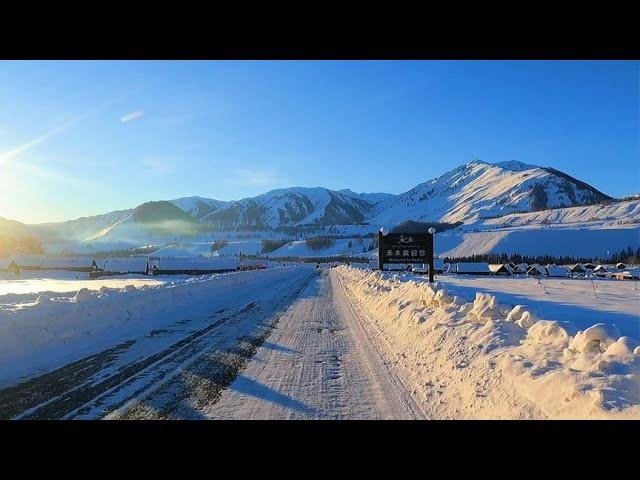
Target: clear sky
[82, 138]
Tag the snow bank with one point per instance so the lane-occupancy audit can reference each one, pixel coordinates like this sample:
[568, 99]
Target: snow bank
[484, 359]
[54, 328]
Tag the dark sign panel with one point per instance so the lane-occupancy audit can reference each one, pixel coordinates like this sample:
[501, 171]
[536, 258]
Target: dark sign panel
[406, 248]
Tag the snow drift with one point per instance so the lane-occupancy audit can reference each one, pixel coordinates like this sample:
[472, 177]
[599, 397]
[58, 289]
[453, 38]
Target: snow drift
[483, 359]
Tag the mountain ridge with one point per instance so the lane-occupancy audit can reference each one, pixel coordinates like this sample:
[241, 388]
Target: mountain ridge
[468, 193]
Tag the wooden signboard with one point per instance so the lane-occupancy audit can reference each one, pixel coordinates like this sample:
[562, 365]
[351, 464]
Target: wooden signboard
[406, 248]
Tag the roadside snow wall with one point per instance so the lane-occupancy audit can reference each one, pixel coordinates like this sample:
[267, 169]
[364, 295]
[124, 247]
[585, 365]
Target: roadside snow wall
[481, 359]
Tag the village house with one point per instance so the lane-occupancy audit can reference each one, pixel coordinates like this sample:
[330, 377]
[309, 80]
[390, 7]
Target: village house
[9, 265]
[520, 269]
[192, 265]
[621, 266]
[577, 269]
[30, 262]
[600, 271]
[536, 270]
[627, 275]
[499, 269]
[121, 265]
[556, 271]
[71, 264]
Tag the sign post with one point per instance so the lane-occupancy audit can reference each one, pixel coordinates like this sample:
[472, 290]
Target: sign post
[432, 232]
[406, 248]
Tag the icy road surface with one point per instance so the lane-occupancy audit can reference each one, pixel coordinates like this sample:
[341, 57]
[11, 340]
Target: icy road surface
[295, 349]
[319, 363]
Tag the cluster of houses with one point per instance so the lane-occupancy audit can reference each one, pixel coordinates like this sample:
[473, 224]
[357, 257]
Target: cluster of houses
[619, 271]
[579, 270]
[130, 265]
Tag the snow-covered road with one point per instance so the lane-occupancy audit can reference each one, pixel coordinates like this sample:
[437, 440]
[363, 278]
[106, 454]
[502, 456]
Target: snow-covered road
[319, 363]
[295, 350]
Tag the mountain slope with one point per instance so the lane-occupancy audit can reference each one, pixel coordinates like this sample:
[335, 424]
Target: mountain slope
[289, 207]
[480, 190]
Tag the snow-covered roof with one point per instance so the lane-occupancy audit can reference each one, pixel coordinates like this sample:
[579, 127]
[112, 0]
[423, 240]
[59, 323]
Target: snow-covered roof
[499, 267]
[600, 268]
[5, 262]
[195, 263]
[67, 262]
[472, 268]
[556, 271]
[30, 260]
[536, 269]
[576, 268]
[124, 265]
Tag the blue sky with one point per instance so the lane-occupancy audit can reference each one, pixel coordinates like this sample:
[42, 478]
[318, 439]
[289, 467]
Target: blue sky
[82, 138]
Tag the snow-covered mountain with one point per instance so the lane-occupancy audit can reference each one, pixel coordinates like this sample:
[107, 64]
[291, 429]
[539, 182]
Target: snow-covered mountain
[289, 207]
[471, 194]
[480, 190]
[199, 207]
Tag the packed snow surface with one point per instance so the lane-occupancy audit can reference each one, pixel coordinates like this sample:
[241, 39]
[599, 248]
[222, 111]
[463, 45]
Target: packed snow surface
[471, 353]
[50, 329]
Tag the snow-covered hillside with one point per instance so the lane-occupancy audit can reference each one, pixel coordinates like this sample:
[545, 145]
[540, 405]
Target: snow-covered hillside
[289, 207]
[491, 200]
[341, 246]
[479, 190]
[198, 207]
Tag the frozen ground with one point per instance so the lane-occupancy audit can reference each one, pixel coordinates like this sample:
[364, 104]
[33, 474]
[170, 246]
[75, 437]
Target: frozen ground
[62, 281]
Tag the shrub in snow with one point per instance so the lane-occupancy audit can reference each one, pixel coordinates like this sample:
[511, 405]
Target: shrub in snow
[129, 288]
[595, 339]
[83, 295]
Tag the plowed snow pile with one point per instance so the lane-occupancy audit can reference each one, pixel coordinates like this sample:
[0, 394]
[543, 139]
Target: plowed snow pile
[482, 359]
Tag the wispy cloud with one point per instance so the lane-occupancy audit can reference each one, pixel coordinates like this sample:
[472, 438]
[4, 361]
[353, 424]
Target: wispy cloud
[129, 117]
[159, 165]
[16, 152]
[258, 178]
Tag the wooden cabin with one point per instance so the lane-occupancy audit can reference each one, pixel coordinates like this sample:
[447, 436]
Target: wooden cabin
[499, 269]
[30, 262]
[536, 270]
[9, 265]
[122, 266]
[556, 271]
[576, 269]
[600, 271]
[70, 264]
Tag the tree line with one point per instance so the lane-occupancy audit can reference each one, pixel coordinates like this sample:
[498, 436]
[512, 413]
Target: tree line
[627, 255]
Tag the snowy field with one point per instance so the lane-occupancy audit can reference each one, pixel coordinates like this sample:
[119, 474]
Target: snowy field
[508, 348]
[572, 301]
[341, 246]
[62, 281]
